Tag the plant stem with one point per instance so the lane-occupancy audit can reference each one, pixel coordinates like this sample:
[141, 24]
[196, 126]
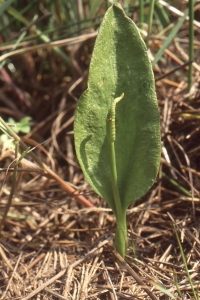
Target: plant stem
[118, 207]
[121, 231]
[121, 235]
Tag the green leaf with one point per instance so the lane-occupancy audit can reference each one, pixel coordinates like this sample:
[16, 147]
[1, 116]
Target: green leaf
[24, 125]
[119, 64]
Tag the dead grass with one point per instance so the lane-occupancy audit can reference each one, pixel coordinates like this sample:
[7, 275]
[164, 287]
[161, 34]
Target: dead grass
[54, 248]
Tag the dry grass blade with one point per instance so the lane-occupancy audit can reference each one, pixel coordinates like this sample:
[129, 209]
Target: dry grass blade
[43, 286]
[135, 276]
[43, 166]
[13, 274]
[49, 45]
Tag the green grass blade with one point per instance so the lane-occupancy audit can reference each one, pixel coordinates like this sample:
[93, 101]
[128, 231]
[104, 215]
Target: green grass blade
[21, 37]
[152, 2]
[107, 3]
[185, 263]
[169, 38]
[176, 283]
[191, 41]
[161, 14]
[71, 12]
[141, 13]
[5, 6]
[42, 36]
[18, 16]
[126, 5]
[162, 289]
[172, 181]
[25, 9]
[3, 129]
[94, 7]
[23, 155]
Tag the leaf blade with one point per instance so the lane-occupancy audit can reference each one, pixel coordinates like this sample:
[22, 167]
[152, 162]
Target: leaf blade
[119, 64]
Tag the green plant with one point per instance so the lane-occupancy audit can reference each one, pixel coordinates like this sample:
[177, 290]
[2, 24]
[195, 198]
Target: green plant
[24, 126]
[120, 159]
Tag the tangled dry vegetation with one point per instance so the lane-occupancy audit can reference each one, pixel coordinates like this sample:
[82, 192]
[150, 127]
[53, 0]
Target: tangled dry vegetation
[51, 246]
